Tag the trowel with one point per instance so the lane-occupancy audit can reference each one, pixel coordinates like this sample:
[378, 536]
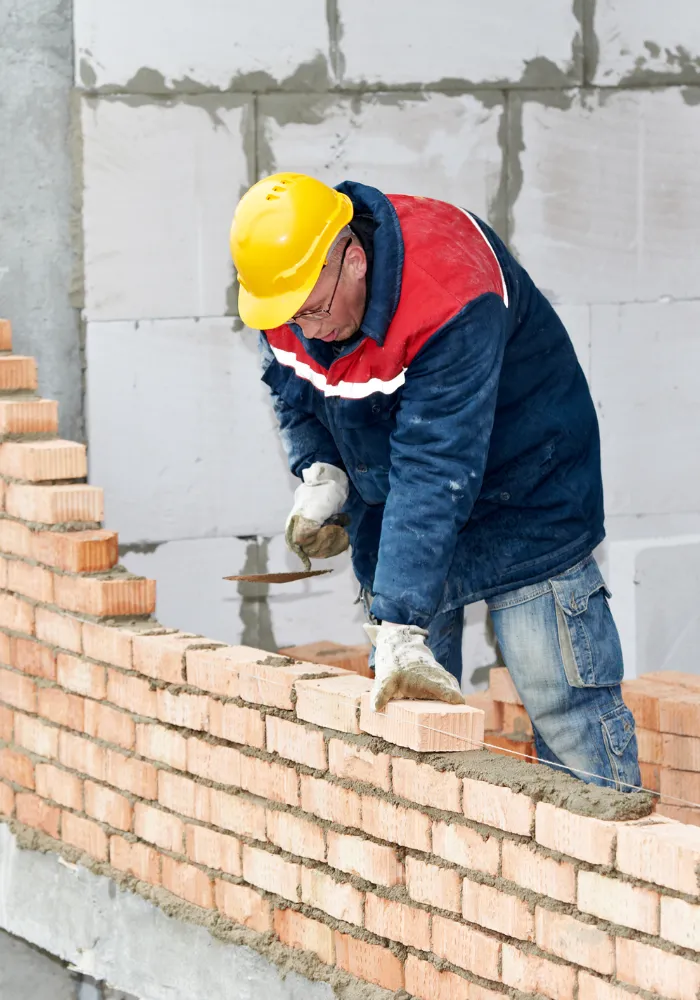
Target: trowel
[302, 574]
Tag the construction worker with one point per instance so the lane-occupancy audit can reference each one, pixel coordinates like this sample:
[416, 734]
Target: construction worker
[430, 400]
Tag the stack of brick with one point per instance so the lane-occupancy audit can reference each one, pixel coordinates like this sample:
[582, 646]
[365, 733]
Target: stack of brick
[333, 654]
[507, 724]
[248, 786]
[666, 708]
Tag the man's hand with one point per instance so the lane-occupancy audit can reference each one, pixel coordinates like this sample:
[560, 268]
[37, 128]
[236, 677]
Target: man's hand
[315, 528]
[404, 667]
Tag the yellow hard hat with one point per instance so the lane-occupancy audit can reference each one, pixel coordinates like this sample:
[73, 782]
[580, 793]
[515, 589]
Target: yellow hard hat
[282, 231]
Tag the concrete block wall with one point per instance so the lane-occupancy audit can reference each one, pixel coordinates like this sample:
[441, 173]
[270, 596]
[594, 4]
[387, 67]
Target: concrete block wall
[573, 131]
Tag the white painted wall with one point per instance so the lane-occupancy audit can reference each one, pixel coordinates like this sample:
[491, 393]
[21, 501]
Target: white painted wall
[184, 105]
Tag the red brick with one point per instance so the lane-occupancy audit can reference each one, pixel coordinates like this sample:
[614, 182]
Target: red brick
[16, 538]
[214, 850]
[109, 725]
[108, 806]
[295, 742]
[439, 887]
[680, 752]
[187, 882]
[496, 806]
[297, 931]
[238, 814]
[497, 911]
[679, 813]
[501, 686]
[346, 760]
[16, 767]
[650, 775]
[59, 786]
[533, 974]
[159, 743]
[237, 725]
[59, 630]
[5, 335]
[16, 614]
[184, 796]
[680, 784]
[30, 581]
[81, 676]
[425, 982]
[592, 988]
[516, 721]
[680, 922]
[331, 802]
[136, 859]
[217, 763]
[650, 746]
[213, 670]
[55, 504]
[466, 947]
[466, 847]
[619, 902]
[17, 690]
[493, 710]
[132, 693]
[104, 598]
[376, 863]
[271, 872]
[28, 416]
[656, 971]
[7, 800]
[537, 872]
[425, 726]
[332, 702]
[92, 551]
[367, 961]
[85, 835]
[680, 714]
[135, 776]
[108, 643]
[391, 919]
[82, 755]
[7, 718]
[661, 852]
[38, 461]
[574, 941]
[4, 648]
[35, 736]
[32, 658]
[190, 711]
[35, 812]
[332, 654]
[270, 780]
[62, 708]
[426, 785]
[271, 683]
[398, 825]
[17, 372]
[338, 899]
[295, 835]
[158, 827]
[583, 837]
[244, 906]
[162, 656]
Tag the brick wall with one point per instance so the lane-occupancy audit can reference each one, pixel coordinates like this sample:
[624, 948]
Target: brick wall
[210, 772]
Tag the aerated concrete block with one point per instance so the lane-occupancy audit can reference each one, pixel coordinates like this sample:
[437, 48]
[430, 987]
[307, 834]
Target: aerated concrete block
[182, 434]
[668, 625]
[423, 144]
[645, 41]
[609, 207]
[645, 359]
[161, 181]
[154, 46]
[395, 43]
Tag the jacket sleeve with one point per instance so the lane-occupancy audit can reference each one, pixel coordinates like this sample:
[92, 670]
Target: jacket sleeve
[304, 438]
[439, 449]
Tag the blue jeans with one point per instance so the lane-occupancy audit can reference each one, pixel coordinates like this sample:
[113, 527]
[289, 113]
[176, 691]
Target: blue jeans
[561, 646]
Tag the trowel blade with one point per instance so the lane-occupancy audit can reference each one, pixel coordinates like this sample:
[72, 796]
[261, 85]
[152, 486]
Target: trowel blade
[279, 577]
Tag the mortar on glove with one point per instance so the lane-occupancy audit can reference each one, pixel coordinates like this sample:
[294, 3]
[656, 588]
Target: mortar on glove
[404, 667]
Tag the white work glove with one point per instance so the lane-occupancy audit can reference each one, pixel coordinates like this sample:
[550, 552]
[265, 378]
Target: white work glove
[404, 667]
[315, 527]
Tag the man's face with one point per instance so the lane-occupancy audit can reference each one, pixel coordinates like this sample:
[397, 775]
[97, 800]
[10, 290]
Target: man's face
[334, 309]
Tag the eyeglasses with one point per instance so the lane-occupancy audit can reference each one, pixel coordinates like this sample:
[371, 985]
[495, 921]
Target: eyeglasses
[320, 314]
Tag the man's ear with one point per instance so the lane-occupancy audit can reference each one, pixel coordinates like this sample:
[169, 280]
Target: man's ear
[356, 261]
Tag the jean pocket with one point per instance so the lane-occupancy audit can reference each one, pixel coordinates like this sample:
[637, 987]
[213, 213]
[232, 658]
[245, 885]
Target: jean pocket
[619, 730]
[588, 637]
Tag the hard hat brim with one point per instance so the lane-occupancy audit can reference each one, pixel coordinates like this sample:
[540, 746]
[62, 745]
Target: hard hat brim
[273, 311]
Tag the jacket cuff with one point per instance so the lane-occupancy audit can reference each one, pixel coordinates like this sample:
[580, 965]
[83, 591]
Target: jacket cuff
[387, 610]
